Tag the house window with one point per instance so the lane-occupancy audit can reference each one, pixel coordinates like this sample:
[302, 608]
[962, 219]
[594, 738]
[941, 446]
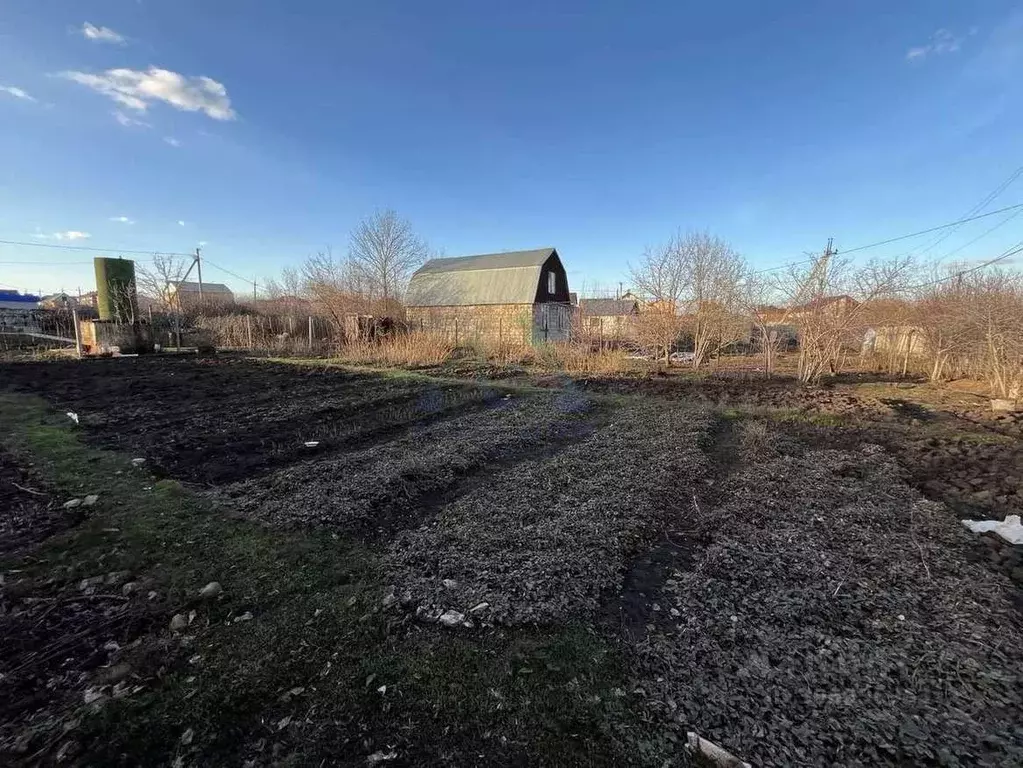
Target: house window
[551, 283]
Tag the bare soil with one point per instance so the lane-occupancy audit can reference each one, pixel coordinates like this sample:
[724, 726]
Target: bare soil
[571, 571]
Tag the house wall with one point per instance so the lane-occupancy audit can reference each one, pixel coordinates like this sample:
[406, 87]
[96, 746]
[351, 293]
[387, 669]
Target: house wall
[607, 326]
[187, 300]
[490, 323]
[519, 324]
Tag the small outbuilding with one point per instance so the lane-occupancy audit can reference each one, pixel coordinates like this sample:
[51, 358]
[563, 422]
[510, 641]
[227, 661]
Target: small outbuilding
[608, 319]
[519, 297]
[185, 295]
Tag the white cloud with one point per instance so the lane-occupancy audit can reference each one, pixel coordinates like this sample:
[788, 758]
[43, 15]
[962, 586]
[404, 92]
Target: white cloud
[181, 223]
[128, 122]
[16, 93]
[172, 141]
[122, 219]
[941, 42]
[71, 234]
[137, 90]
[101, 34]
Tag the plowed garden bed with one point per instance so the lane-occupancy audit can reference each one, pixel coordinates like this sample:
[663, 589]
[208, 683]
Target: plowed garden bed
[430, 571]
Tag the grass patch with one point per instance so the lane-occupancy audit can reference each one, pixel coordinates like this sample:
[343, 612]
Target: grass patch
[319, 672]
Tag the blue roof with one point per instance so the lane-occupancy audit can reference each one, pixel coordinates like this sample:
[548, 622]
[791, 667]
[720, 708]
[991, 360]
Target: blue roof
[25, 298]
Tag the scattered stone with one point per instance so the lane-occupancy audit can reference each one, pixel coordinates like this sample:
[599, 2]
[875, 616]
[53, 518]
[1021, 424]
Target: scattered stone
[179, 623]
[449, 583]
[187, 737]
[72, 503]
[451, 618]
[389, 599]
[247, 616]
[479, 608]
[292, 693]
[130, 588]
[90, 500]
[211, 590]
[91, 583]
[138, 462]
[117, 578]
[381, 757]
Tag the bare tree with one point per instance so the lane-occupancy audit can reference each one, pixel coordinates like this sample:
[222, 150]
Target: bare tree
[383, 252]
[694, 277]
[287, 295]
[155, 281]
[755, 298]
[829, 301]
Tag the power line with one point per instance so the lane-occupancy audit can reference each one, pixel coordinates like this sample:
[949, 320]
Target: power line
[991, 196]
[1017, 207]
[932, 229]
[151, 252]
[982, 235]
[229, 272]
[1018, 248]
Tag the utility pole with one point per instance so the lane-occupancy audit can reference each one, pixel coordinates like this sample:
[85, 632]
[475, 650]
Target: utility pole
[253, 291]
[198, 264]
[822, 266]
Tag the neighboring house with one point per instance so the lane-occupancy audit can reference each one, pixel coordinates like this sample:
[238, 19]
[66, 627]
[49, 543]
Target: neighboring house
[186, 295]
[18, 301]
[608, 318]
[519, 297]
[826, 305]
[69, 301]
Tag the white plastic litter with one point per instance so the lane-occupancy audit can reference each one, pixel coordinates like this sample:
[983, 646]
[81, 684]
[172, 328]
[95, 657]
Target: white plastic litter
[1009, 529]
[311, 443]
[73, 416]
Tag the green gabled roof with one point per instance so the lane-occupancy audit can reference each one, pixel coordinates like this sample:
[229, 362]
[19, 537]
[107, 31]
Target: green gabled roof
[489, 278]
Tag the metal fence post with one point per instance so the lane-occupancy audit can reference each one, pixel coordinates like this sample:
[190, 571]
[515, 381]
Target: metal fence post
[310, 331]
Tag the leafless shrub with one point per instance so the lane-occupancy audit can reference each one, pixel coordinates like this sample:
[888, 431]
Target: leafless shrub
[693, 283]
[829, 302]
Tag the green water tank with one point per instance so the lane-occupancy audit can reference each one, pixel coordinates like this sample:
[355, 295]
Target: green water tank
[116, 297]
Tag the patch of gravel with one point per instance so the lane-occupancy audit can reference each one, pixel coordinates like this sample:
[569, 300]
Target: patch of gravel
[546, 539]
[395, 483]
[838, 618]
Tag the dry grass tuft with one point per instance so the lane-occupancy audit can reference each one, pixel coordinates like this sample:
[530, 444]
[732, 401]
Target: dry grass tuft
[577, 358]
[418, 348]
[756, 441]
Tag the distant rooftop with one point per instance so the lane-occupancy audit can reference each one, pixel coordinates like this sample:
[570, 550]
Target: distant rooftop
[187, 286]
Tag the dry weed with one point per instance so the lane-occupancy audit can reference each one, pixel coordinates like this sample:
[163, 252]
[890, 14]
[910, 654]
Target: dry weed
[417, 348]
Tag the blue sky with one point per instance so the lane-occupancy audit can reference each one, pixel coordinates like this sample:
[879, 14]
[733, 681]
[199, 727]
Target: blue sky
[595, 127]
